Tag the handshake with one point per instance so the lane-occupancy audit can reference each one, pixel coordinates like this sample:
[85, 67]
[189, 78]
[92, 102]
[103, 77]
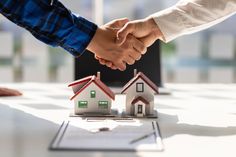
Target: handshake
[122, 42]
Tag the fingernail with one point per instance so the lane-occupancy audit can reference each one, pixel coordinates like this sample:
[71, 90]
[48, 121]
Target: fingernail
[123, 69]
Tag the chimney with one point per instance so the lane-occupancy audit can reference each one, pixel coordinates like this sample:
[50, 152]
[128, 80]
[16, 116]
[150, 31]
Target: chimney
[135, 72]
[98, 75]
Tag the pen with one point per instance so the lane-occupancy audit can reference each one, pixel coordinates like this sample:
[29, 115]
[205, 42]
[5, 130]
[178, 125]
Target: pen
[142, 137]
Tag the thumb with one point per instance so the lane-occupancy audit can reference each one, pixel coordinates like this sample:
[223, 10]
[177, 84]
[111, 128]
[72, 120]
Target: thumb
[124, 32]
[118, 23]
[121, 22]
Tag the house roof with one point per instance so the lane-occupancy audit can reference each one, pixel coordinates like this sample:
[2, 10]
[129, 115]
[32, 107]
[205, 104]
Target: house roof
[86, 79]
[140, 98]
[83, 83]
[144, 78]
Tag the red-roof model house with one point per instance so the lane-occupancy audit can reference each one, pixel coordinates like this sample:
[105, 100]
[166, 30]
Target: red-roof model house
[140, 93]
[91, 95]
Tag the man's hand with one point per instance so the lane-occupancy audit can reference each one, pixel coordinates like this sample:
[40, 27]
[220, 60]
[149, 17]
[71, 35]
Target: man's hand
[146, 30]
[104, 46]
[9, 92]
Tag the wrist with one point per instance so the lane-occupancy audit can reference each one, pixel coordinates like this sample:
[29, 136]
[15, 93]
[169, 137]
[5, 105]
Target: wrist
[92, 45]
[154, 28]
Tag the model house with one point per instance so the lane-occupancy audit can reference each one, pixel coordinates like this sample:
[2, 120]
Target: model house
[91, 95]
[140, 93]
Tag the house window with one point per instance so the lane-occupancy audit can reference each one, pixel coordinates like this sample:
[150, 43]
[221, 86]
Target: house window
[139, 87]
[103, 104]
[83, 104]
[93, 94]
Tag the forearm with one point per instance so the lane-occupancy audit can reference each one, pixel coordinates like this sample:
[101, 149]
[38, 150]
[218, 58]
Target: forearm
[51, 23]
[189, 16]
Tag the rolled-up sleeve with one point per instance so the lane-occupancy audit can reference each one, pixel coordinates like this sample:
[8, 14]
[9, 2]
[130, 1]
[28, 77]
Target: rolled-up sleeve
[51, 23]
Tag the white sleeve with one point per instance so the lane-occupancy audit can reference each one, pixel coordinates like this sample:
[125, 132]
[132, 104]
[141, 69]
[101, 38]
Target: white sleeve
[189, 16]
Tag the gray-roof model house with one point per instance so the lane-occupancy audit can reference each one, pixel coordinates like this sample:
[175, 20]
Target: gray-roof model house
[140, 91]
[91, 96]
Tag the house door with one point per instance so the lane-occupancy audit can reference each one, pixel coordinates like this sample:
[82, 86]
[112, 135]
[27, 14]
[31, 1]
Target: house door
[140, 109]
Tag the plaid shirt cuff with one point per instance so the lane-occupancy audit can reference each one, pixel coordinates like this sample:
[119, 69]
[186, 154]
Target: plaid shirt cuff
[80, 36]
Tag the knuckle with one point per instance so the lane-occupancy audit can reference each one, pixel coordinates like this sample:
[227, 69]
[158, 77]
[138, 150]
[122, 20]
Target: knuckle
[126, 46]
[101, 62]
[144, 51]
[138, 57]
[131, 62]
[128, 62]
[129, 43]
[129, 38]
[122, 66]
[130, 46]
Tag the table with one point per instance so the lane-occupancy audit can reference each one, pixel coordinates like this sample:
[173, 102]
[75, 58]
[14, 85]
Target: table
[195, 120]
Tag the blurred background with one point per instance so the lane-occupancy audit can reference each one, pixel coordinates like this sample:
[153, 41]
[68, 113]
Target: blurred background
[205, 57]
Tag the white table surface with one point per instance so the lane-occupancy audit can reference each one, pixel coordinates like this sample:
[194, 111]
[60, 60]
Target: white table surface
[195, 120]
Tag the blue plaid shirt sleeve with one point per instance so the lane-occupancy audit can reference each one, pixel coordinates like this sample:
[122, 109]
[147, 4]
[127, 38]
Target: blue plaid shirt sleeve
[50, 22]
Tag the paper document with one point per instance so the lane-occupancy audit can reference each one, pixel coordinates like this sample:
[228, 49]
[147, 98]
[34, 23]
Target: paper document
[108, 135]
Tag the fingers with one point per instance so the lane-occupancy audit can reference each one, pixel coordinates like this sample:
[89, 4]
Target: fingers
[148, 40]
[102, 61]
[120, 65]
[96, 57]
[9, 92]
[134, 49]
[129, 60]
[131, 51]
[123, 33]
[136, 55]
[106, 63]
[110, 65]
[138, 45]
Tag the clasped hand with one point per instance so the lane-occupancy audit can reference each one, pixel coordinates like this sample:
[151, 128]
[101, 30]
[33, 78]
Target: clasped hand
[122, 42]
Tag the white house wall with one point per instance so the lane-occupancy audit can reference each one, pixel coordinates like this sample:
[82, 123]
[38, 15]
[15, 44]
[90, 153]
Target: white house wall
[85, 96]
[131, 93]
